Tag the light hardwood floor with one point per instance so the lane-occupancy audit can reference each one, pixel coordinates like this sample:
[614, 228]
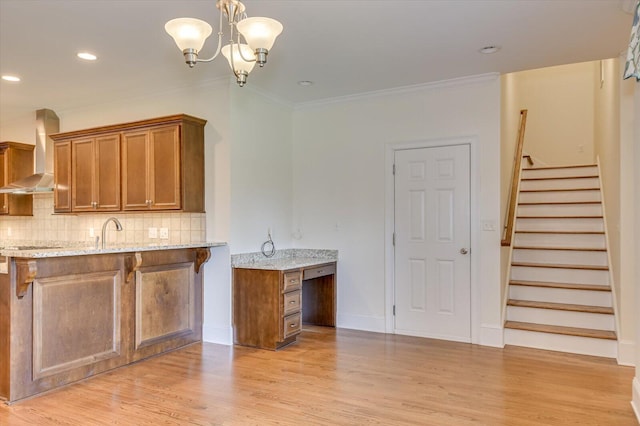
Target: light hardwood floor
[344, 377]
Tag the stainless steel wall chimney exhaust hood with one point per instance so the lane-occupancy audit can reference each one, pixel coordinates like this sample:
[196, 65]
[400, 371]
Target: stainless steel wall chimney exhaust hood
[47, 122]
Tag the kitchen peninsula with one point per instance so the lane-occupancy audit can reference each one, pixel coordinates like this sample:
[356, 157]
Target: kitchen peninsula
[70, 312]
[273, 297]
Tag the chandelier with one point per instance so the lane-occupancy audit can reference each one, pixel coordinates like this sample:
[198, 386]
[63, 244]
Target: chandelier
[258, 35]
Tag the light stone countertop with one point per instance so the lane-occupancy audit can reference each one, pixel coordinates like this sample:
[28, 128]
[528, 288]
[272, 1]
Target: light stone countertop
[39, 249]
[284, 259]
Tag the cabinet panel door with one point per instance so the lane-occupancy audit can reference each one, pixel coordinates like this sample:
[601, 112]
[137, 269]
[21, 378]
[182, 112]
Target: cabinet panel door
[62, 176]
[83, 175]
[107, 172]
[164, 173]
[4, 207]
[135, 166]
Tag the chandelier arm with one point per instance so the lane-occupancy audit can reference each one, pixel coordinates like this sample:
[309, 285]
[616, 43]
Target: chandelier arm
[240, 51]
[220, 34]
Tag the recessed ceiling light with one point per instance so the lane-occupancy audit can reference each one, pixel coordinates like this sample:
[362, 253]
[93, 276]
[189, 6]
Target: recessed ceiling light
[305, 83]
[87, 56]
[11, 78]
[487, 50]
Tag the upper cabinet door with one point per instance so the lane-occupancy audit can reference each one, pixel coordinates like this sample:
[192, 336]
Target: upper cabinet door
[164, 173]
[107, 172]
[135, 169]
[95, 174]
[62, 177]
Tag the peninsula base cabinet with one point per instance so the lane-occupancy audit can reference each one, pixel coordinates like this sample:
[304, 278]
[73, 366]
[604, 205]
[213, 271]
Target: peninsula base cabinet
[68, 318]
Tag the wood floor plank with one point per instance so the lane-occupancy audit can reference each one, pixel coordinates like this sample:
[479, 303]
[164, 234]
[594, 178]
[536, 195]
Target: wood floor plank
[344, 377]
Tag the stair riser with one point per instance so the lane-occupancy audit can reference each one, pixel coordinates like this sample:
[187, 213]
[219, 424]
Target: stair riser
[560, 210]
[561, 318]
[589, 258]
[558, 342]
[561, 295]
[559, 196]
[560, 183]
[564, 172]
[560, 275]
[560, 240]
[559, 224]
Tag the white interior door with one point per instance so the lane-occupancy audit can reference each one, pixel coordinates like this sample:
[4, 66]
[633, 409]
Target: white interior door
[432, 240]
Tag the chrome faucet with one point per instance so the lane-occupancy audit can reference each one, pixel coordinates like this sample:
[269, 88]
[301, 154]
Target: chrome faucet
[104, 228]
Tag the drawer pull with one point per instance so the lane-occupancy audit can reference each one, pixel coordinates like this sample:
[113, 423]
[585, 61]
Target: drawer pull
[293, 325]
[292, 302]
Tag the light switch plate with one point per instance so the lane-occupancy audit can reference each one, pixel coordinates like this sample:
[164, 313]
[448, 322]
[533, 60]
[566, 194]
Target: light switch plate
[153, 232]
[164, 233]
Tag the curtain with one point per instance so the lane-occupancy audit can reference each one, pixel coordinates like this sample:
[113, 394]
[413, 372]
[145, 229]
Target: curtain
[632, 69]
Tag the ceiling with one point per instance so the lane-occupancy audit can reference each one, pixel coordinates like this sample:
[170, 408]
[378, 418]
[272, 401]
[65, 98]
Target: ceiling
[344, 47]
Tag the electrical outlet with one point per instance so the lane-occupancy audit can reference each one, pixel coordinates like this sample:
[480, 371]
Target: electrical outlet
[164, 233]
[92, 232]
[9, 232]
[153, 232]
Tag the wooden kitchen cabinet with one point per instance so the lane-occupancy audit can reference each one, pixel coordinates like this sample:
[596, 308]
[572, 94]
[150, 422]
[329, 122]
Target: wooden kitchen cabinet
[95, 174]
[151, 169]
[16, 162]
[68, 318]
[266, 307]
[160, 166]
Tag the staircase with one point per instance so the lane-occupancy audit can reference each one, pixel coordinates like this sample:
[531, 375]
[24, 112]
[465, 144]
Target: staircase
[559, 295]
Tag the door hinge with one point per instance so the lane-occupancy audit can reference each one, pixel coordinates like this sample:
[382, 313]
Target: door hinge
[394, 170]
[394, 310]
[394, 239]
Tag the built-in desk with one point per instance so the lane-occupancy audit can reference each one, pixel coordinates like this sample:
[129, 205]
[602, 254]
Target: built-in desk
[272, 298]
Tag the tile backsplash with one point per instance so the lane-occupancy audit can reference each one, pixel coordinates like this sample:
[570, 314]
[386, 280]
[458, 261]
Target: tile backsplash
[45, 226]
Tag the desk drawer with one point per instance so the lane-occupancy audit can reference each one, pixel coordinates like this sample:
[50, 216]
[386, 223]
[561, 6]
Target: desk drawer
[319, 271]
[292, 302]
[292, 324]
[291, 281]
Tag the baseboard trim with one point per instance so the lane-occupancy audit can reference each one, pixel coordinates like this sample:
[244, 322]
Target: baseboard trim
[361, 322]
[219, 335]
[635, 403]
[491, 335]
[626, 353]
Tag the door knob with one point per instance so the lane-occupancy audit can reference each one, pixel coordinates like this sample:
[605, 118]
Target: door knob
[464, 251]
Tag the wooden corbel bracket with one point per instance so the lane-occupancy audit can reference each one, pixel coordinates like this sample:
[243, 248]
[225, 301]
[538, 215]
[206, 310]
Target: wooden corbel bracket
[26, 271]
[132, 264]
[202, 256]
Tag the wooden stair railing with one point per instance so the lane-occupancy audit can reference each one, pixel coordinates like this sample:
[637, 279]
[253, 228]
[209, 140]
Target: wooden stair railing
[513, 195]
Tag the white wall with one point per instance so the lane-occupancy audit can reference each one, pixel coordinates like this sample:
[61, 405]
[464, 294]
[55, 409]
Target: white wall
[261, 171]
[560, 101]
[339, 186]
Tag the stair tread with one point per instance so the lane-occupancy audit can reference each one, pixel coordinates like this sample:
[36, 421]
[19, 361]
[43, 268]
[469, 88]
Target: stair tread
[557, 329]
[559, 189]
[561, 306]
[561, 217]
[544, 231]
[569, 286]
[567, 166]
[542, 203]
[559, 177]
[560, 266]
[559, 248]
